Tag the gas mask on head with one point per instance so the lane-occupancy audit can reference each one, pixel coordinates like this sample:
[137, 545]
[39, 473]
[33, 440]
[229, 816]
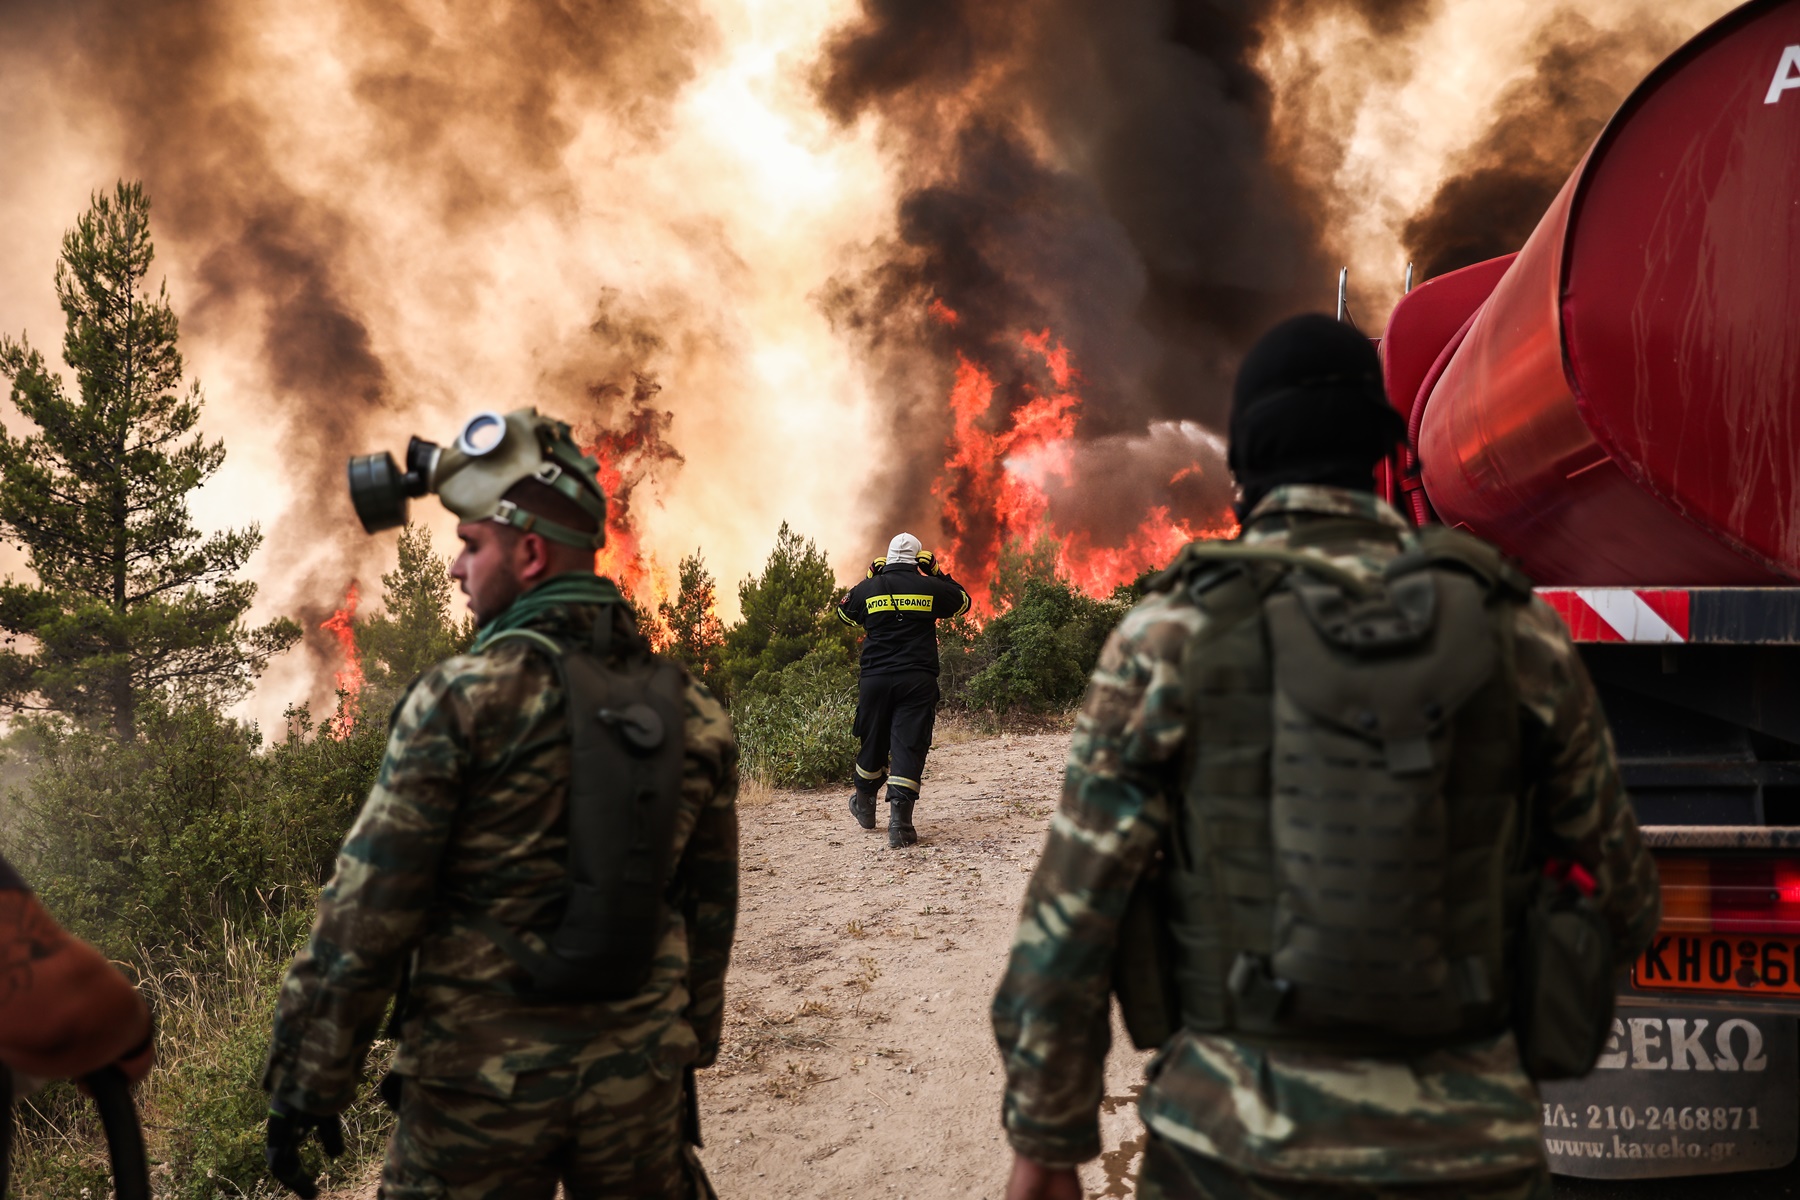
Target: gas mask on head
[473, 474]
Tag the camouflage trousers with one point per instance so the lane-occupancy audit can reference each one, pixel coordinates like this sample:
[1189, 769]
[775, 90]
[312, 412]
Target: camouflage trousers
[1172, 1173]
[601, 1136]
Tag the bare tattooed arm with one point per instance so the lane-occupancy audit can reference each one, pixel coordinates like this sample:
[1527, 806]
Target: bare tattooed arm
[64, 1010]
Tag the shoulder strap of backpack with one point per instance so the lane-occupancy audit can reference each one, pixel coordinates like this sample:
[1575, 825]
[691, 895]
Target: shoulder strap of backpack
[1197, 559]
[1440, 546]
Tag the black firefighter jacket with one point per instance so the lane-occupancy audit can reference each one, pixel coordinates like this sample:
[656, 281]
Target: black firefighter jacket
[899, 609]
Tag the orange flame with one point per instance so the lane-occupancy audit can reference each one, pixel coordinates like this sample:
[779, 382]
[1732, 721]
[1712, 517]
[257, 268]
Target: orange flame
[349, 678]
[622, 559]
[994, 486]
[631, 445]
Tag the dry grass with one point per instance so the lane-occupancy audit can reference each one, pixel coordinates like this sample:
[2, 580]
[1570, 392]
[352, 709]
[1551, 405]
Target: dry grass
[792, 1083]
[1030, 809]
[868, 971]
[753, 1034]
[956, 727]
[959, 729]
[754, 792]
[202, 1106]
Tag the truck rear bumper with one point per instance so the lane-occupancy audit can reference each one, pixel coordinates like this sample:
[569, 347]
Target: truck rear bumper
[1682, 1089]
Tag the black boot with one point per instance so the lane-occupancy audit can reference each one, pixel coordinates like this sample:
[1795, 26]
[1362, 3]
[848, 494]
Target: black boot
[862, 807]
[900, 811]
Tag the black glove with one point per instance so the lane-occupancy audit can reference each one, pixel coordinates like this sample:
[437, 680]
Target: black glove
[928, 562]
[288, 1128]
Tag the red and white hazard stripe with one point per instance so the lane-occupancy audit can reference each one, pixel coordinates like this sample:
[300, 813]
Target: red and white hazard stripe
[1622, 614]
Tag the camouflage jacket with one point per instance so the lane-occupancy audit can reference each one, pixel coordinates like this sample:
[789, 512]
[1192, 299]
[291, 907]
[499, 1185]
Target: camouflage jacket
[468, 816]
[1465, 1112]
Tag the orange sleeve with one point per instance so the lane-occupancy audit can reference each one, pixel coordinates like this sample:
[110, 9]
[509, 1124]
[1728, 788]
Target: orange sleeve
[64, 1010]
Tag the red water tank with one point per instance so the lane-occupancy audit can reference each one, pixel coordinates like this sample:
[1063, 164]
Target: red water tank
[1625, 407]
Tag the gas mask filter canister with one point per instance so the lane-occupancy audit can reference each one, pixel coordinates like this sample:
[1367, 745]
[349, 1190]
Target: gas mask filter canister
[473, 474]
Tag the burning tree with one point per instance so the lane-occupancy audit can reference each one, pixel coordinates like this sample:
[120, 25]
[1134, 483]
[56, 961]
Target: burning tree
[130, 598]
[631, 446]
[1009, 449]
[350, 677]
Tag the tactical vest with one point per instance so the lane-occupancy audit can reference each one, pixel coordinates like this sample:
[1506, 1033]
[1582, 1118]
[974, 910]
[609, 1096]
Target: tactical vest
[1346, 860]
[627, 725]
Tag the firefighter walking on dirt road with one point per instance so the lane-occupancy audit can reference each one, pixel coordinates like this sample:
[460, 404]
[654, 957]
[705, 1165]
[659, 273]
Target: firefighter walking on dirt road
[544, 876]
[898, 607]
[1326, 776]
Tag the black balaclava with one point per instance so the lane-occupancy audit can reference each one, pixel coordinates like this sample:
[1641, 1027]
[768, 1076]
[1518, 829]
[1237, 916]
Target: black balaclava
[1309, 407]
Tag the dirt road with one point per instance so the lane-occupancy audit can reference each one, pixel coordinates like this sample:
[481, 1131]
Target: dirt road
[858, 1056]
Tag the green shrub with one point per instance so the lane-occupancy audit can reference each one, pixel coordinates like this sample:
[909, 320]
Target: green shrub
[788, 669]
[59, 1149]
[795, 724]
[316, 784]
[1035, 656]
[143, 847]
[1038, 654]
[193, 853]
[211, 1089]
[150, 848]
[792, 678]
[195, 857]
[962, 654]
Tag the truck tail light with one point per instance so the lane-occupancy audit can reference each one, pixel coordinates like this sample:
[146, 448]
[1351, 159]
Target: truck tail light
[1730, 895]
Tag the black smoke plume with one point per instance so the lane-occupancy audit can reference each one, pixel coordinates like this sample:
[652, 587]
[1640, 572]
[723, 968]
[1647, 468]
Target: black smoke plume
[1102, 171]
[1542, 126]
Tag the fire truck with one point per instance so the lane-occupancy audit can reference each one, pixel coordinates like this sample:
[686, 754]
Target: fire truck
[1618, 405]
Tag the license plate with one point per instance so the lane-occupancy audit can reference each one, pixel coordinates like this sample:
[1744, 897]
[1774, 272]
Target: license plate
[1679, 1092]
[1738, 964]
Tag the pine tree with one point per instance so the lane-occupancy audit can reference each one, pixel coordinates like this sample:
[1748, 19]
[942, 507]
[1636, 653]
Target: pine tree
[787, 613]
[130, 599]
[696, 637]
[417, 627]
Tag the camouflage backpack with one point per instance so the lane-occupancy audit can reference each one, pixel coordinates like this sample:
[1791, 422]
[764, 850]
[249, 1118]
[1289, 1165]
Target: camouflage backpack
[1346, 860]
[626, 726]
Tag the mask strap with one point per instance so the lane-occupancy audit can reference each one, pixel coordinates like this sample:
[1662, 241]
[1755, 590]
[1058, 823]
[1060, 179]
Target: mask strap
[567, 484]
[508, 513]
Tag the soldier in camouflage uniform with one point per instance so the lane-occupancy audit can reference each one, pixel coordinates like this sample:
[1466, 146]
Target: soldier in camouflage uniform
[1227, 1119]
[500, 1095]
